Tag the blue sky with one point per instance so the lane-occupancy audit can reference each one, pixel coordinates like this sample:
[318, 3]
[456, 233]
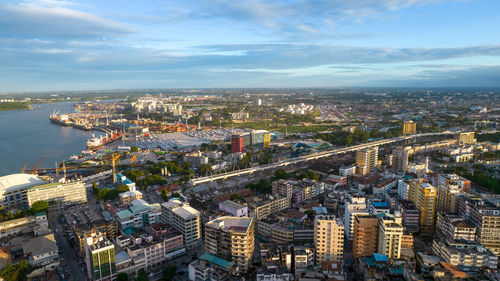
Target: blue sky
[57, 45]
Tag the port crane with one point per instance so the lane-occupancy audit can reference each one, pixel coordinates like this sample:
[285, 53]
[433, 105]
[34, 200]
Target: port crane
[114, 159]
[35, 168]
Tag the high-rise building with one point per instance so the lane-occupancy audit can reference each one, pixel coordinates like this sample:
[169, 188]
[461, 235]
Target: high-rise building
[366, 160]
[364, 242]
[424, 196]
[400, 159]
[239, 141]
[184, 218]
[100, 258]
[354, 206]
[447, 197]
[466, 138]
[328, 239]
[232, 239]
[409, 128]
[267, 140]
[390, 234]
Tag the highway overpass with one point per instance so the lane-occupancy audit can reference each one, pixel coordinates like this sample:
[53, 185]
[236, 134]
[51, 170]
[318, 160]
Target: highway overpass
[313, 156]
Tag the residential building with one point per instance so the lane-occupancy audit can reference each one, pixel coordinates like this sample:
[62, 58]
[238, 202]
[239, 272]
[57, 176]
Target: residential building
[454, 227]
[184, 218]
[400, 159]
[424, 196]
[447, 197]
[139, 214]
[463, 183]
[129, 196]
[390, 232]
[42, 252]
[354, 206]
[376, 207]
[283, 188]
[328, 239]
[365, 232]
[347, 171]
[411, 215]
[60, 193]
[210, 267]
[409, 128]
[263, 207]
[484, 214]
[465, 256]
[366, 160]
[231, 238]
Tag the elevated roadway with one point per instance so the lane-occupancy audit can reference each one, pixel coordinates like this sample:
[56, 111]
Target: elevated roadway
[313, 156]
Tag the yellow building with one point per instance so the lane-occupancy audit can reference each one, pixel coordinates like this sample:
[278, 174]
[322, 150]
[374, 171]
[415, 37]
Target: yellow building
[409, 128]
[232, 239]
[424, 196]
[466, 138]
[267, 140]
[366, 160]
[390, 235]
[328, 239]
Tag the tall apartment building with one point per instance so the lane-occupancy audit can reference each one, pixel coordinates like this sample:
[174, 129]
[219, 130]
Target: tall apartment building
[463, 183]
[409, 128]
[447, 197]
[282, 188]
[365, 232]
[400, 159]
[328, 239]
[354, 206]
[390, 234]
[424, 196]
[61, 193]
[232, 239]
[466, 138]
[484, 214]
[100, 259]
[184, 218]
[410, 214]
[366, 160]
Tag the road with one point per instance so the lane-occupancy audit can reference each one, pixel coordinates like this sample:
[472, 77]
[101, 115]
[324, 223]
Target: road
[67, 254]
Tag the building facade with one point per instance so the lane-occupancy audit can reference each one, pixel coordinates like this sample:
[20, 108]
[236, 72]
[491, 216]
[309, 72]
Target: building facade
[328, 239]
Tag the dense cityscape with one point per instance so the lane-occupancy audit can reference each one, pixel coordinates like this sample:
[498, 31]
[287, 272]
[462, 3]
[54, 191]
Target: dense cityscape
[291, 184]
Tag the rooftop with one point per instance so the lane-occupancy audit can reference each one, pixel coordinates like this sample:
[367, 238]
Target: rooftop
[13, 182]
[40, 245]
[234, 224]
[218, 261]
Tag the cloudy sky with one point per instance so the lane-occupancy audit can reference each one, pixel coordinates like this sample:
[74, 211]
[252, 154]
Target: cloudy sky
[120, 44]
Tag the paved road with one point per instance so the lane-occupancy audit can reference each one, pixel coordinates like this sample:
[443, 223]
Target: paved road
[70, 263]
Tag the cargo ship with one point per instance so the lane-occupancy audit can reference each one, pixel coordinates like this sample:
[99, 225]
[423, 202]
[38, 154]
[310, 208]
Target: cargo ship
[82, 124]
[96, 143]
[62, 119]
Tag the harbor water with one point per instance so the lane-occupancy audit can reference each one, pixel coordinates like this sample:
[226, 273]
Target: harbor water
[28, 135]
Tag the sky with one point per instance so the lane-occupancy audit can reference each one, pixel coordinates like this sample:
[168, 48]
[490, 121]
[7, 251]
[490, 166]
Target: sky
[59, 45]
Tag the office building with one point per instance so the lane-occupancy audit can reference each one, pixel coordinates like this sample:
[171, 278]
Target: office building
[257, 138]
[365, 232]
[139, 215]
[409, 128]
[328, 239]
[62, 194]
[390, 234]
[240, 141]
[366, 160]
[184, 218]
[267, 140]
[400, 159]
[13, 189]
[232, 239]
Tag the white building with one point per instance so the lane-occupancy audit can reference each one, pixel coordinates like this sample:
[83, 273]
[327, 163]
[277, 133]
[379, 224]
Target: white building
[139, 214]
[354, 206]
[234, 208]
[184, 218]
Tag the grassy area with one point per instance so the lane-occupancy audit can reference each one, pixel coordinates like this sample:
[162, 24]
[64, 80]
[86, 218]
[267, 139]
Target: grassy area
[14, 106]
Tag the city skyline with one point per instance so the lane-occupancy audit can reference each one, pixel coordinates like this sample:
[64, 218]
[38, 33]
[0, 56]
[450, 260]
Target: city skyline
[92, 45]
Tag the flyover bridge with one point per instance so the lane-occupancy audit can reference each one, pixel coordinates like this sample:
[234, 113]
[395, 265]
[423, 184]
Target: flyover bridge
[313, 156]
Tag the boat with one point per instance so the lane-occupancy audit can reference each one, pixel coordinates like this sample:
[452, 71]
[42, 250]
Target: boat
[96, 143]
[62, 119]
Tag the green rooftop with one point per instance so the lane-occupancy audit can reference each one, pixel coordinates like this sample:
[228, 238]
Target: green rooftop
[218, 261]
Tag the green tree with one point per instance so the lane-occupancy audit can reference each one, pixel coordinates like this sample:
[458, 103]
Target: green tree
[237, 198]
[122, 277]
[204, 169]
[280, 174]
[142, 275]
[134, 149]
[169, 272]
[16, 272]
[164, 194]
[40, 206]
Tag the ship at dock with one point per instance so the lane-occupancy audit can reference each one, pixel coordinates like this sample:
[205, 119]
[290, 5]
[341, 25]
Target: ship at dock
[62, 119]
[96, 143]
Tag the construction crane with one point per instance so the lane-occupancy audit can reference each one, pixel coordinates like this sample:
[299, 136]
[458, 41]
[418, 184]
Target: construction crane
[114, 159]
[64, 168]
[133, 158]
[35, 168]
